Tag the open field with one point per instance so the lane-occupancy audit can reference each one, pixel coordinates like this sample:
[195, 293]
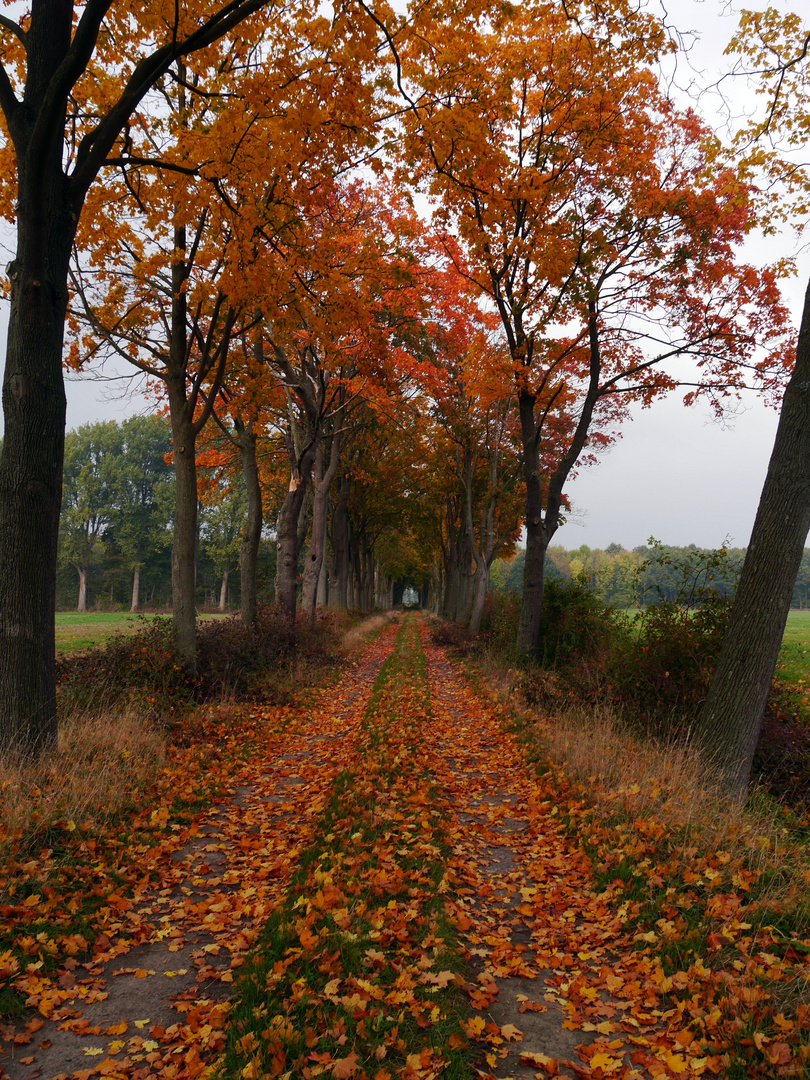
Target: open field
[82, 630]
[794, 658]
[77, 630]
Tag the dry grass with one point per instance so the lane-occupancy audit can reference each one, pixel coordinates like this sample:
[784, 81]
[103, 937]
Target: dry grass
[359, 634]
[669, 784]
[100, 765]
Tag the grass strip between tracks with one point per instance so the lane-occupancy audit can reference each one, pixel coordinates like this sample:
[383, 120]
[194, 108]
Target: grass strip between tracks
[354, 975]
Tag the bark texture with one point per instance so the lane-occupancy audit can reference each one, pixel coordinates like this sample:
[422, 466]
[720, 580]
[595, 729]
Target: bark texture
[34, 401]
[321, 484]
[729, 725]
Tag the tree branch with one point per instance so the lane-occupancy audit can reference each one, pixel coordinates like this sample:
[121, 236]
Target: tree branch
[15, 28]
[95, 146]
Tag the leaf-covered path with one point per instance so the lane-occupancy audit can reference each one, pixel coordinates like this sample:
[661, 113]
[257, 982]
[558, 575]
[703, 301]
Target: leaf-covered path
[559, 988]
[385, 888]
[150, 1001]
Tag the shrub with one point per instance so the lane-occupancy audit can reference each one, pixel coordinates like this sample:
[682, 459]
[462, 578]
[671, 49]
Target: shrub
[233, 658]
[499, 623]
[662, 670]
[576, 625]
[232, 661]
[452, 634]
[142, 667]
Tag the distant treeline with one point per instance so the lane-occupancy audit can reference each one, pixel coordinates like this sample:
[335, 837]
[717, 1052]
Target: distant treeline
[115, 531]
[646, 574]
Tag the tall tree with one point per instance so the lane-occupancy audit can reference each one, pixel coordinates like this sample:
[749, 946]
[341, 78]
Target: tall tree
[71, 77]
[593, 215]
[729, 725]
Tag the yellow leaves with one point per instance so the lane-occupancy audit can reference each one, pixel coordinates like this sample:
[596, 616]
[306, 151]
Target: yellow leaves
[606, 1062]
[474, 1027]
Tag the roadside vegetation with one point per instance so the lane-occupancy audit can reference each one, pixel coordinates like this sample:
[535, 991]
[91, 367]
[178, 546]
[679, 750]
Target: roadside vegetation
[717, 891]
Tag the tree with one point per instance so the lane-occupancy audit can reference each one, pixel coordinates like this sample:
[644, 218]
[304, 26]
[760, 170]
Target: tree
[594, 217]
[70, 79]
[223, 516]
[143, 492]
[729, 725]
[92, 453]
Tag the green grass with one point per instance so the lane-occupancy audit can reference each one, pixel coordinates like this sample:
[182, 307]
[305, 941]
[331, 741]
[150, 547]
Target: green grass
[794, 656]
[78, 630]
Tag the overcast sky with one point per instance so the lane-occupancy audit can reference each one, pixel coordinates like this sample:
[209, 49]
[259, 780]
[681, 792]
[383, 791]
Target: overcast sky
[676, 474]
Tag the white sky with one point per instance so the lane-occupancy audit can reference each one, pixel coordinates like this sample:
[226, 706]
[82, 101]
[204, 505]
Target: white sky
[675, 474]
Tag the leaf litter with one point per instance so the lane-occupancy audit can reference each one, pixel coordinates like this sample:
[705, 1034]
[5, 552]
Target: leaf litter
[388, 890]
[170, 935]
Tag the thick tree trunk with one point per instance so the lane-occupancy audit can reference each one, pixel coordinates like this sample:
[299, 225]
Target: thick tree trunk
[223, 590]
[287, 548]
[479, 596]
[34, 436]
[531, 610]
[249, 552]
[313, 566]
[81, 603]
[136, 591]
[729, 725]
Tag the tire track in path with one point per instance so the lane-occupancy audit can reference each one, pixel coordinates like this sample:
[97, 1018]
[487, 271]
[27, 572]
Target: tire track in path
[152, 1002]
[559, 990]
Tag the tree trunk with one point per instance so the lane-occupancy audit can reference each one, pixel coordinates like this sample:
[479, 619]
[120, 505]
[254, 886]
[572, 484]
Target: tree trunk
[34, 438]
[184, 538]
[531, 609]
[288, 538]
[249, 552]
[729, 725]
[322, 598]
[339, 587]
[479, 596]
[223, 590]
[136, 591]
[321, 483]
[81, 603]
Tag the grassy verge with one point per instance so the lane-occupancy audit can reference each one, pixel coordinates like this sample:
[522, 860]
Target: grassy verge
[354, 975]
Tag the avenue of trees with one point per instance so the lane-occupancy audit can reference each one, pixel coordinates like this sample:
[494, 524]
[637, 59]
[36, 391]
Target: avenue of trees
[221, 196]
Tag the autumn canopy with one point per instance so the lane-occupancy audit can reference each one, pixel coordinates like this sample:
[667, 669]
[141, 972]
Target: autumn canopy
[403, 271]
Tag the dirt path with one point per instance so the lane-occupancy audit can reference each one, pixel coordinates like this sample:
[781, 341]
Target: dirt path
[559, 991]
[154, 998]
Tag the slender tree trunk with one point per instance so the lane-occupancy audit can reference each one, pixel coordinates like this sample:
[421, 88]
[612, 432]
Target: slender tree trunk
[249, 552]
[136, 591]
[34, 436]
[81, 603]
[184, 538]
[223, 590]
[729, 725]
[339, 588]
